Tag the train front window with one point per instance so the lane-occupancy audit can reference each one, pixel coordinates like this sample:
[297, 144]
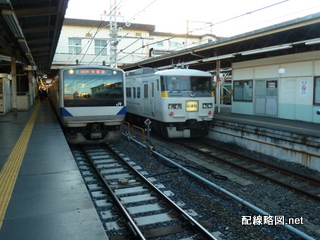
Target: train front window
[186, 83]
[93, 87]
[201, 84]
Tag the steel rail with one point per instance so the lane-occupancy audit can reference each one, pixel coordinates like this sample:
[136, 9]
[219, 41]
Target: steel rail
[129, 221]
[275, 168]
[194, 224]
[242, 201]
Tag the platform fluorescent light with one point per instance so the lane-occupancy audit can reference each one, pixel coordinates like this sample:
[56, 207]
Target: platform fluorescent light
[184, 64]
[218, 57]
[313, 41]
[267, 49]
[13, 23]
[23, 44]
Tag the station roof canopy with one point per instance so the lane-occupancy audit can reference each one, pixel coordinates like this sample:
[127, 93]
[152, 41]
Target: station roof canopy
[29, 31]
[295, 36]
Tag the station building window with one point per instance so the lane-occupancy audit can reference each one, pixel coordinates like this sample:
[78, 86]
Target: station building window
[317, 90]
[75, 45]
[242, 90]
[160, 44]
[100, 46]
[175, 45]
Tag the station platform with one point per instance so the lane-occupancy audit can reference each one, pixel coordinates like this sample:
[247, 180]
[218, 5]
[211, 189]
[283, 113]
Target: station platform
[289, 140]
[298, 127]
[42, 194]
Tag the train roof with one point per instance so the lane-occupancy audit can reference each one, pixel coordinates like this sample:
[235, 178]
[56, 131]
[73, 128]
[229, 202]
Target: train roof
[141, 71]
[183, 72]
[89, 66]
[168, 72]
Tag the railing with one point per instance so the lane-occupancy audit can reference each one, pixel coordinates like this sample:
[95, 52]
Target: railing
[131, 129]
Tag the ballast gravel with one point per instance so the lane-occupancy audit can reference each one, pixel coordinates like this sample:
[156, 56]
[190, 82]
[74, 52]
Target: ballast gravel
[226, 216]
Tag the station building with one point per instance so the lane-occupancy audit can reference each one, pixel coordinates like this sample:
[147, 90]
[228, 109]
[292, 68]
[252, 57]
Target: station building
[285, 87]
[89, 42]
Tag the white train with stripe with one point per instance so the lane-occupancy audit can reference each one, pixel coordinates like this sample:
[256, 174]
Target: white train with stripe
[90, 102]
[179, 102]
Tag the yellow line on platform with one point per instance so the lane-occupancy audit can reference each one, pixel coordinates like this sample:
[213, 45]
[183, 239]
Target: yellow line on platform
[10, 170]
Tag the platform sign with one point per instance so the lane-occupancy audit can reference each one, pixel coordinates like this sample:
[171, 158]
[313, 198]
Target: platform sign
[304, 88]
[147, 121]
[30, 68]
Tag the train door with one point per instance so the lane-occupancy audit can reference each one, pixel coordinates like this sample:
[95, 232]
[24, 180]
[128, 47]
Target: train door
[152, 99]
[145, 98]
[155, 97]
[266, 97]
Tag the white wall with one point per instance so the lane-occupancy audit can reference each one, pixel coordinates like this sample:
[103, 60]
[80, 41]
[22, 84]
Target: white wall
[295, 84]
[134, 45]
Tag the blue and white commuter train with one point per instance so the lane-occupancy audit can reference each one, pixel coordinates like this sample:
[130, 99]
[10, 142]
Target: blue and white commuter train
[179, 102]
[90, 102]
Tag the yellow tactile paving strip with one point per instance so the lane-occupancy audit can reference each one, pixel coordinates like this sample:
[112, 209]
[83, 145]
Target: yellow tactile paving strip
[10, 170]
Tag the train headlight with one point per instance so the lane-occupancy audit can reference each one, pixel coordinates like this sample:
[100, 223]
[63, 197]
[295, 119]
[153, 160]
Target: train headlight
[174, 106]
[207, 105]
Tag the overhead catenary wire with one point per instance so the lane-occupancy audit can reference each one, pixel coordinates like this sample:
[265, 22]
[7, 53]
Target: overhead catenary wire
[212, 24]
[100, 27]
[241, 15]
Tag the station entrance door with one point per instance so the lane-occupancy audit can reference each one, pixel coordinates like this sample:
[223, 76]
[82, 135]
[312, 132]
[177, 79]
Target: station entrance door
[266, 97]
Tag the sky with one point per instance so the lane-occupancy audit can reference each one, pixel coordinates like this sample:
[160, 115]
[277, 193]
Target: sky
[223, 18]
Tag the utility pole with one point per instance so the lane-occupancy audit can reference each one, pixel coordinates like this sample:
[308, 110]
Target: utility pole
[113, 33]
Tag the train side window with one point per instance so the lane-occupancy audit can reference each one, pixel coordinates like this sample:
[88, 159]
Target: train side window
[134, 92]
[145, 91]
[152, 89]
[128, 92]
[316, 98]
[138, 92]
[163, 86]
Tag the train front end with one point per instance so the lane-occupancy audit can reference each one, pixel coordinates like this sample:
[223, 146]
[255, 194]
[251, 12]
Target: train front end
[92, 103]
[187, 103]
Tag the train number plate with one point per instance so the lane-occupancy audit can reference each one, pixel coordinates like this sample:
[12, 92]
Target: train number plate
[192, 106]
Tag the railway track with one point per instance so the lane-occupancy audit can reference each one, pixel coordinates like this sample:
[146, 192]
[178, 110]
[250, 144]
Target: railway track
[302, 184]
[131, 205]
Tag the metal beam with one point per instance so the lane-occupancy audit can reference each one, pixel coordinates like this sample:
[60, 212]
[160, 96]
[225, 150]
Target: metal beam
[35, 12]
[37, 30]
